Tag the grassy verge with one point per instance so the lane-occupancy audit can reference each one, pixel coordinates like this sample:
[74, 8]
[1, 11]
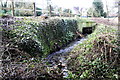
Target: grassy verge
[95, 58]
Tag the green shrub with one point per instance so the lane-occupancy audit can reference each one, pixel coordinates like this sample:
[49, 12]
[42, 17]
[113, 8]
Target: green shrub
[46, 36]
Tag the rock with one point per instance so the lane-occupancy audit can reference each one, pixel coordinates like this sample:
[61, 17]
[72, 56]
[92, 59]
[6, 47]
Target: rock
[63, 64]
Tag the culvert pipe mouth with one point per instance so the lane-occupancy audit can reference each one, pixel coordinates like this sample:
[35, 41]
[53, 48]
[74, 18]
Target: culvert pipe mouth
[87, 30]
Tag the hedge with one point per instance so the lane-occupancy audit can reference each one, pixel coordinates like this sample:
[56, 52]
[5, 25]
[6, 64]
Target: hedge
[44, 37]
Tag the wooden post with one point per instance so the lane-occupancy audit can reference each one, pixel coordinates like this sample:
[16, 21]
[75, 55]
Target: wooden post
[107, 10]
[119, 28]
[34, 6]
[69, 13]
[13, 12]
[118, 51]
[60, 12]
[50, 10]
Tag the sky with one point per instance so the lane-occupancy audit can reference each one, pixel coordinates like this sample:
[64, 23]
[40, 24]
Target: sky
[72, 3]
[68, 3]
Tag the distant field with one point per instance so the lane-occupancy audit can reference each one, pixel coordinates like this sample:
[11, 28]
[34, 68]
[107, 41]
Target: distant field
[106, 21]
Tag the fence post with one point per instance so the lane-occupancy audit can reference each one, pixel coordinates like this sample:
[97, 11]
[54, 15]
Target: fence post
[13, 12]
[34, 6]
[69, 13]
[118, 32]
[50, 10]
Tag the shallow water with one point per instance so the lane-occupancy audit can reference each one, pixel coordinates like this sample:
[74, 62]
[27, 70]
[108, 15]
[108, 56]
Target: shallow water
[58, 57]
[66, 49]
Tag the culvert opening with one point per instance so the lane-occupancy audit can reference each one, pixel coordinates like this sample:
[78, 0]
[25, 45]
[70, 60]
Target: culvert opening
[87, 30]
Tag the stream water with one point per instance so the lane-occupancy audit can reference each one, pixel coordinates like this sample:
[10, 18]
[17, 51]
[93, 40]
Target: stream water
[66, 49]
[58, 58]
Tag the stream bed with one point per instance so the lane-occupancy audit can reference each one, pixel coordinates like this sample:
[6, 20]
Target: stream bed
[58, 59]
[64, 51]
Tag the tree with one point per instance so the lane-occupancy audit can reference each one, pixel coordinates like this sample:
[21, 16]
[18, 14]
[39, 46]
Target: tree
[98, 8]
[4, 5]
[60, 11]
[105, 14]
[67, 11]
[116, 3]
[90, 12]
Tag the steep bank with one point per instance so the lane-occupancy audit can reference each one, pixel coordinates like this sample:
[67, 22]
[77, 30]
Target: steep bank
[96, 58]
[40, 38]
[29, 33]
[44, 37]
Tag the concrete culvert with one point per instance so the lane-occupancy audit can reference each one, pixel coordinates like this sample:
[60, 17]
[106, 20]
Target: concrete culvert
[87, 30]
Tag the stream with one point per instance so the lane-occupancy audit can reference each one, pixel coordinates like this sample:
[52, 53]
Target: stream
[67, 49]
[58, 59]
